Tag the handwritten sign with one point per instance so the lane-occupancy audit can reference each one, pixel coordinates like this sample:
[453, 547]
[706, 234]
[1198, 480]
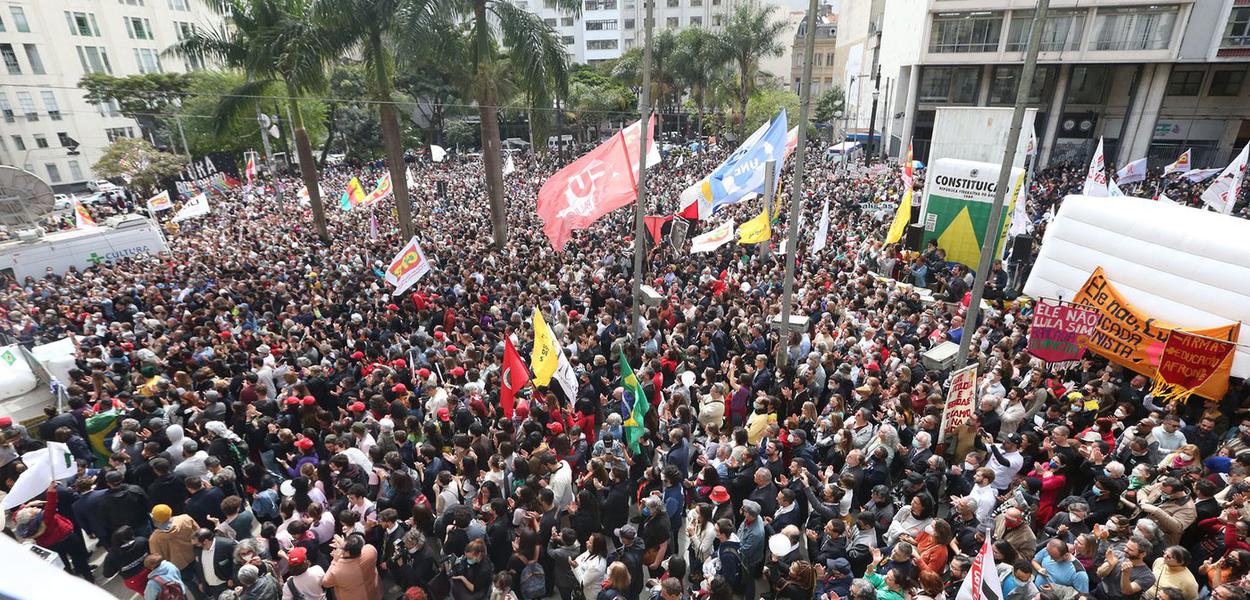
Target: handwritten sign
[1056, 329]
[1189, 361]
[960, 401]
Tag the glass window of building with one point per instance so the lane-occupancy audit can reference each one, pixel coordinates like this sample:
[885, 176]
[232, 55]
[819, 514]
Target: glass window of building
[1134, 28]
[966, 32]
[1226, 83]
[1236, 34]
[1185, 82]
[1062, 30]
[1088, 84]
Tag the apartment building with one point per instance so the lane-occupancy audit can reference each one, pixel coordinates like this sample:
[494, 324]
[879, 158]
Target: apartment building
[1149, 78]
[48, 45]
[825, 73]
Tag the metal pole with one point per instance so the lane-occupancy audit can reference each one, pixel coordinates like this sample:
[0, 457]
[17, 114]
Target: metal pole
[770, 192]
[872, 119]
[644, 126]
[273, 172]
[796, 191]
[886, 117]
[1004, 177]
[182, 136]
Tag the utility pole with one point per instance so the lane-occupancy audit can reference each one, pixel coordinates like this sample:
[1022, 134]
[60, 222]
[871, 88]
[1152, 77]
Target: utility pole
[644, 131]
[994, 226]
[796, 191]
[872, 118]
[182, 136]
[770, 193]
[264, 139]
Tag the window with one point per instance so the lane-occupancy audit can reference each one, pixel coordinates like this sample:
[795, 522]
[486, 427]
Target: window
[32, 57]
[115, 133]
[955, 85]
[1226, 83]
[966, 32]
[63, 138]
[829, 59]
[1237, 34]
[82, 24]
[566, 21]
[179, 5]
[183, 30]
[94, 60]
[10, 59]
[1, 24]
[696, 3]
[139, 29]
[1007, 80]
[674, 3]
[27, 102]
[1185, 82]
[41, 140]
[54, 174]
[672, 22]
[1134, 28]
[549, 4]
[49, 102]
[696, 21]
[75, 171]
[715, 2]
[19, 19]
[1062, 31]
[131, 2]
[567, 40]
[6, 109]
[600, 4]
[609, 25]
[602, 45]
[19, 143]
[148, 60]
[549, 22]
[111, 108]
[717, 19]
[1088, 85]
[629, 23]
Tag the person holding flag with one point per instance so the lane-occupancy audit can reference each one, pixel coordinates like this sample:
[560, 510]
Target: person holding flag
[636, 398]
[513, 378]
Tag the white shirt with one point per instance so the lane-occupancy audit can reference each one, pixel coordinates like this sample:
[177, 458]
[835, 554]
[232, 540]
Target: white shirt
[1003, 474]
[206, 560]
[308, 584]
[986, 499]
[562, 485]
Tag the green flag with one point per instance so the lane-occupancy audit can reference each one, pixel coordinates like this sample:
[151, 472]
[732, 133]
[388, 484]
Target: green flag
[633, 425]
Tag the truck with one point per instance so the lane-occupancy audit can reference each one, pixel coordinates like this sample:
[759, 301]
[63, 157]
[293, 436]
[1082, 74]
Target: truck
[31, 255]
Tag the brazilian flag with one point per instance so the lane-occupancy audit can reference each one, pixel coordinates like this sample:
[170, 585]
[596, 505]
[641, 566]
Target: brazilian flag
[633, 425]
[100, 430]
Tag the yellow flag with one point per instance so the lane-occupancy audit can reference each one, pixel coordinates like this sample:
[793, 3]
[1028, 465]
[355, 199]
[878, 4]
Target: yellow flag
[756, 230]
[901, 218]
[545, 357]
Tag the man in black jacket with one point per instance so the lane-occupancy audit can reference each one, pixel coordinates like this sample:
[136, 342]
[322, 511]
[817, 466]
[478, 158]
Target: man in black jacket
[630, 553]
[167, 489]
[216, 561]
[123, 504]
[203, 502]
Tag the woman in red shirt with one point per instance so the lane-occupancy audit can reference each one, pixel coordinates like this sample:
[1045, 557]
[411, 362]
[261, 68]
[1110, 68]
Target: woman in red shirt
[53, 531]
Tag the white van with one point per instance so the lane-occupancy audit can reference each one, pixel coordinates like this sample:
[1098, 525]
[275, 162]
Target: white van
[130, 236]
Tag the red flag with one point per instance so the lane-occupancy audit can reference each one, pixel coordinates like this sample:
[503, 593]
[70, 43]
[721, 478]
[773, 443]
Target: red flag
[594, 185]
[515, 376]
[655, 225]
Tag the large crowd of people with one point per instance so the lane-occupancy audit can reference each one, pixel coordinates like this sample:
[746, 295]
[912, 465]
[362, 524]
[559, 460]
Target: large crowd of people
[288, 429]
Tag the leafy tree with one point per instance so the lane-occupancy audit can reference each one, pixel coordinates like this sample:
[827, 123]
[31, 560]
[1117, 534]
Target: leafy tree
[238, 133]
[272, 41]
[461, 133]
[750, 36]
[351, 128]
[831, 101]
[699, 60]
[594, 99]
[138, 162]
[145, 98]
[766, 103]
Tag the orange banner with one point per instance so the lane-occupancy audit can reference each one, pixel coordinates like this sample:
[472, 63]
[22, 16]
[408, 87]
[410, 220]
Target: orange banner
[1190, 361]
[1135, 340]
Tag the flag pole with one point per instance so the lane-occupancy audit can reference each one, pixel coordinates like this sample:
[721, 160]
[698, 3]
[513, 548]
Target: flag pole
[796, 191]
[644, 125]
[994, 227]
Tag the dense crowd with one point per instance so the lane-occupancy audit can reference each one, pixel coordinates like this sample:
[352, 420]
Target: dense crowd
[289, 429]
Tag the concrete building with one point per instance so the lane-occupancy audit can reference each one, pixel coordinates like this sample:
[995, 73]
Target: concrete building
[678, 14]
[1150, 78]
[824, 64]
[782, 66]
[48, 45]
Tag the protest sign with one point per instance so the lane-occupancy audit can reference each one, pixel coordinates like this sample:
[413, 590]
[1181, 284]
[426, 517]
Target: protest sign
[1188, 362]
[408, 267]
[960, 401]
[1055, 329]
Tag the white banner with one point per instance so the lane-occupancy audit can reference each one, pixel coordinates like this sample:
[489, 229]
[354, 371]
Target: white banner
[1132, 172]
[1222, 194]
[960, 401]
[55, 462]
[408, 267]
[196, 207]
[160, 202]
[713, 239]
[437, 153]
[822, 230]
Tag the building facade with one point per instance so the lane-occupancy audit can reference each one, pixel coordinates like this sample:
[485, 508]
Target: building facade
[48, 45]
[1150, 79]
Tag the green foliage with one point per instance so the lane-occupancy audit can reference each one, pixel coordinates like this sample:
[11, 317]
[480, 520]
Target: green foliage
[357, 125]
[752, 34]
[595, 98]
[149, 94]
[462, 133]
[765, 104]
[137, 160]
[239, 132]
[830, 102]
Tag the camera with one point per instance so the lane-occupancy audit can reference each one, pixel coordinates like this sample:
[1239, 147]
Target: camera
[455, 565]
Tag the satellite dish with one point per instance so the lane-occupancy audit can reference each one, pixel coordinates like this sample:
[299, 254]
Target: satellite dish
[264, 120]
[24, 198]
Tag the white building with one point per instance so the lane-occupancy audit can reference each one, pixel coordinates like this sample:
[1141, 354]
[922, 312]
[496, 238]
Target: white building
[48, 45]
[1151, 78]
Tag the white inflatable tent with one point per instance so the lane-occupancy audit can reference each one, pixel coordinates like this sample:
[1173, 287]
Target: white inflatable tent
[1183, 265]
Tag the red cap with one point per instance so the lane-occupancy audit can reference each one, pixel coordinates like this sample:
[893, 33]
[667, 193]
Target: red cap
[523, 409]
[719, 494]
[296, 556]
[357, 406]
[399, 363]
[438, 335]
[307, 400]
[392, 307]
[358, 355]
[225, 335]
[457, 372]
[423, 372]
[482, 298]
[6, 422]
[127, 346]
[555, 428]
[304, 444]
[291, 400]
[573, 315]
[444, 414]
[452, 349]
[399, 388]
[276, 351]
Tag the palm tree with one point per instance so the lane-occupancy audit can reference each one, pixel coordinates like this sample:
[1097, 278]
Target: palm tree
[272, 42]
[372, 25]
[750, 36]
[698, 60]
[497, 30]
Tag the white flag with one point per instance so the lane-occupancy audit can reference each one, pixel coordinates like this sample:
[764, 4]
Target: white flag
[55, 462]
[510, 166]
[681, 160]
[1031, 149]
[1019, 216]
[822, 230]
[1222, 194]
[196, 207]
[713, 239]
[1096, 177]
[412, 182]
[1181, 165]
[1163, 199]
[1132, 172]
[981, 582]
[1113, 190]
[437, 153]
[1200, 175]
[408, 267]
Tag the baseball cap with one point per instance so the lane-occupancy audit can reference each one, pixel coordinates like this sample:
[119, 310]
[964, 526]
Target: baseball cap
[6, 422]
[297, 556]
[291, 400]
[555, 428]
[303, 443]
[457, 372]
[626, 532]
[399, 388]
[357, 406]
[1014, 438]
[357, 355]
[444, 414]
[161, 513]
[308, 400]
[424, 373]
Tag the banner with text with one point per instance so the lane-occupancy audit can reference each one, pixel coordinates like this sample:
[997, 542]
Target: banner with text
[1055, 328]
[1188, 362]
[1133, 339]
[960, 401]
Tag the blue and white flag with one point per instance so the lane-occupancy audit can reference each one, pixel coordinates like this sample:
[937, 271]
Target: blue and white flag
[740, 176]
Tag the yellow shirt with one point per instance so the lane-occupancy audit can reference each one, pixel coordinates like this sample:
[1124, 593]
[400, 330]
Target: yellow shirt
[757, 425]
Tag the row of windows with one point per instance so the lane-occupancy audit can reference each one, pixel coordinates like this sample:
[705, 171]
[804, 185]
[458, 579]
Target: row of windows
[1188, 82]
[819, 59]
[27, 103]
[20, 24]
[1127, 28]
[41, 140]
[1237, 33]
[9, 54]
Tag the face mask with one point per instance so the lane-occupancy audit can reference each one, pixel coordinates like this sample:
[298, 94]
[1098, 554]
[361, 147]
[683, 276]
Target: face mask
[837, 438]
[472, 561]
[1075, 518]
[1185, 456]
[1021, 581]
[916, 444]
[969, 466]
[1120, 414]
[646, 512]
[1106, 473]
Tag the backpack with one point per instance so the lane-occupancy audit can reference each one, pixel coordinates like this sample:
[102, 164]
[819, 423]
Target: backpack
[170, 590]
[295, 593]
[737, 557]
[533, 581]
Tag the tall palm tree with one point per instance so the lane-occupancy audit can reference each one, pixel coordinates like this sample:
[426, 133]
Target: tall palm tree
[272, 42]
[373, 27]
[750, 36]
[497, 30]
[698, 60]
